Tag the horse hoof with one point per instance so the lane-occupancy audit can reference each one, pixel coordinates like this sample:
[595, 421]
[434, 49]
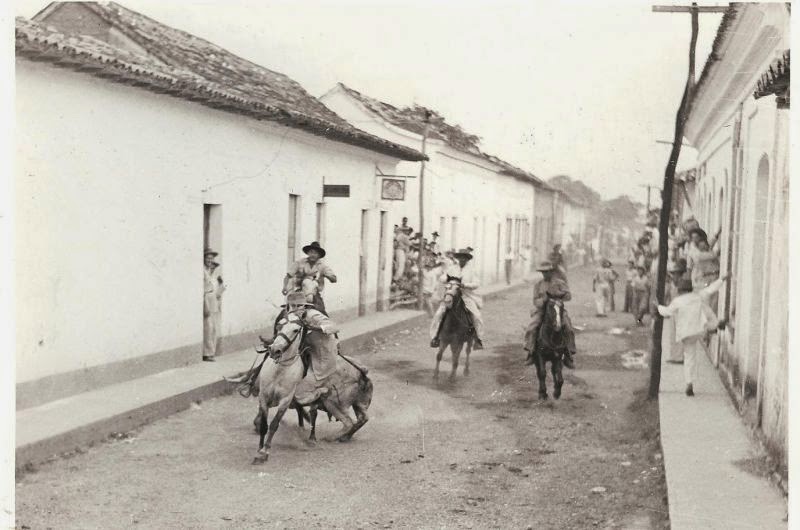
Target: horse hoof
[260, 459]
[466, 372]
[543, 397]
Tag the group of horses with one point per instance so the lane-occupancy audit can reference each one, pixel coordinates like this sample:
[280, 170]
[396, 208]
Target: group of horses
[350, 387]
[456, 332]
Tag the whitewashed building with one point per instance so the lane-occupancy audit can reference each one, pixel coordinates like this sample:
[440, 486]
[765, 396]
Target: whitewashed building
[470, 197]
[137, 145]
[739, 124]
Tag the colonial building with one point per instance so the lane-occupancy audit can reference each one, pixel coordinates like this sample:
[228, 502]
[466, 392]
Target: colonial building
[469, 197]
[138, 145]
[739, 124]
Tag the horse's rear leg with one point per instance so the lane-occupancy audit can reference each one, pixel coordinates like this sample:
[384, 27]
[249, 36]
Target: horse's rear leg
[339, 414]
[466, 361]
[361, 418]
[312, 414]
[558, 377]
[456, 353]
[438, 360]
[541, 374]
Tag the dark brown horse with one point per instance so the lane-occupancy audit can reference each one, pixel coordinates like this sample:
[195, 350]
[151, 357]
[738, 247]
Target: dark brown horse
[551, 345]
[456, 329]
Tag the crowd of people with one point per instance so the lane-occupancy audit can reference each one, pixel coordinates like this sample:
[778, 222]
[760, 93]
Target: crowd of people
[691, 295]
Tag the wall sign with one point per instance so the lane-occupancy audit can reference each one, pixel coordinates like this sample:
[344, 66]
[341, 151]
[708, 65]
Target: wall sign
[336, 190]
[393, 189]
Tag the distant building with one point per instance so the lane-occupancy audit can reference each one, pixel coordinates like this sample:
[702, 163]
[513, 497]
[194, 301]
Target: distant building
[739, 123]
[137, 146]
[470, 197]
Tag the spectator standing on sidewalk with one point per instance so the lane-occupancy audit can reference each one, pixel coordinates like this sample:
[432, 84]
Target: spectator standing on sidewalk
[630, 274]
[212, 305]
[693, 319]
[641, 294]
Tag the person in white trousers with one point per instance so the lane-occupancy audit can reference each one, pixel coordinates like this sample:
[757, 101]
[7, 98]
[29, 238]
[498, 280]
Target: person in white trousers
[693, 318]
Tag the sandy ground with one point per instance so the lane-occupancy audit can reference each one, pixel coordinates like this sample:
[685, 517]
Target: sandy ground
[482, 452]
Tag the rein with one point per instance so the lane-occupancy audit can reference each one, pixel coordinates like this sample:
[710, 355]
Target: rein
[280, 361]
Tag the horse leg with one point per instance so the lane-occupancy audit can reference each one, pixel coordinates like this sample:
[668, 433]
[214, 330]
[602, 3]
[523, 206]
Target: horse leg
[438, 360]
[455, 350]
[313, 420]
[541, 374]
[466, 361]
[339, 414]
[361, 418]
[558, 377]
[283, 406]
[257, 420]
[263, 426]
[300, 415]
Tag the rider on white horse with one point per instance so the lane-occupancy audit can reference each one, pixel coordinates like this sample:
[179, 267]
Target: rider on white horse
[323, 358]
[472, 301]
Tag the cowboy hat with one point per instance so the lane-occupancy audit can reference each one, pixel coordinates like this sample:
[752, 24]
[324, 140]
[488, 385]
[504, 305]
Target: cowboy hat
[296, 298]
[463, 253]
[700, 233]
[314, 246]
[545, 266]
[435, 234]
[209, 252]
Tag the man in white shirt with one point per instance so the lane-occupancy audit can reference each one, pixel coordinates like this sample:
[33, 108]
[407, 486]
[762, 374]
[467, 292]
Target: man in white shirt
[470, 282]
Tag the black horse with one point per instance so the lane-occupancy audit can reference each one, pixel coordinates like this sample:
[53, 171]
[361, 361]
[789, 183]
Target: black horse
[551, 345]
[456, 329]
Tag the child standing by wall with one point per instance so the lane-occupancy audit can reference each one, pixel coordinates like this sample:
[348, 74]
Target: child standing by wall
[693, 318]
[601, 286]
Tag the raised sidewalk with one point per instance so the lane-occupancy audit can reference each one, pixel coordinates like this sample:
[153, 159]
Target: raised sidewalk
[67, 424]
[706, 447]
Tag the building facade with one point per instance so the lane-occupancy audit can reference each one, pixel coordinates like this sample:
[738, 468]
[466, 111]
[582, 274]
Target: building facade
[130, 165]
[739, 124]
[470, 198]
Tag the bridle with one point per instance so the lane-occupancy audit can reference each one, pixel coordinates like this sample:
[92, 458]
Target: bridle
[288, 336]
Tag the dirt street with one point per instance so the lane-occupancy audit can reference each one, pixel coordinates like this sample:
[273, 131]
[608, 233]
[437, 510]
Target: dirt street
[482, 452]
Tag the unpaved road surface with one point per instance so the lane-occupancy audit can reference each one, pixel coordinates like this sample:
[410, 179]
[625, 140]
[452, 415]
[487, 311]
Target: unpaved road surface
[482, 452]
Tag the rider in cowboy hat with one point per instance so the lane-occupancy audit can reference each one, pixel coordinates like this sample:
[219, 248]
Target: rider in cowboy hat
[472, 301]
[308, 275]
[549, 287]
[323, 357]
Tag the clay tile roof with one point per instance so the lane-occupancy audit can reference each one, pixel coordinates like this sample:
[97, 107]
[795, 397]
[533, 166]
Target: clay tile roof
[192, 68]
[412, 119]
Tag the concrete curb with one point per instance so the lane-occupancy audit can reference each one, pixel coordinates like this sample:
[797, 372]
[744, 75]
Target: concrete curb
[97, 431]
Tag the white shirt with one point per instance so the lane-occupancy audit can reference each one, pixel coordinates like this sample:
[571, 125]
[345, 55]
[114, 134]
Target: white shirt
[691, 311]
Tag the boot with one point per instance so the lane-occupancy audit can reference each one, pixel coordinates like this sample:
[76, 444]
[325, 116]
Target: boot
[568, 362]
[435, 342]
[529, 360]
[478, 344]
[689, 390]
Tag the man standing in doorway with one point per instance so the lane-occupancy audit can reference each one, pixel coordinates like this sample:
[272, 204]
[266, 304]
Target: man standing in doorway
[212, 304]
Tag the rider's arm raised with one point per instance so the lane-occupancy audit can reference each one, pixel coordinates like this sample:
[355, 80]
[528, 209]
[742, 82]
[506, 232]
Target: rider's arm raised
[327, 272]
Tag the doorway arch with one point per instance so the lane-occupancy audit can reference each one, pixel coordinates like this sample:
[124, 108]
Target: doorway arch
[759, 249]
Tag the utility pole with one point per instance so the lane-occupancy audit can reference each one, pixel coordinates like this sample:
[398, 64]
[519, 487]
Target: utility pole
[421, 277]
[669, 178]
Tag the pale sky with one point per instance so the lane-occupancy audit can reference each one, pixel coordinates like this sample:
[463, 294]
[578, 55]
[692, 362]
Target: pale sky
[577, 88]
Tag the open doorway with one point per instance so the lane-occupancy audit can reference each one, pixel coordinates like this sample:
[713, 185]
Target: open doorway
[213, 285]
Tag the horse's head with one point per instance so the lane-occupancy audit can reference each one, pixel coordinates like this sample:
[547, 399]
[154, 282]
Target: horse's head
[452, 291]
[287, 334]
[555, 309]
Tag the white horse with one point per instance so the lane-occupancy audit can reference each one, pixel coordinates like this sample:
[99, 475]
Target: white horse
[277, 384]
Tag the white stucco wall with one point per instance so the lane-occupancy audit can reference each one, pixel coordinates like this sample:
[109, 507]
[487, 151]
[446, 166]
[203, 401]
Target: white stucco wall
[109, 218]
[754, 349]
[457, 185]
